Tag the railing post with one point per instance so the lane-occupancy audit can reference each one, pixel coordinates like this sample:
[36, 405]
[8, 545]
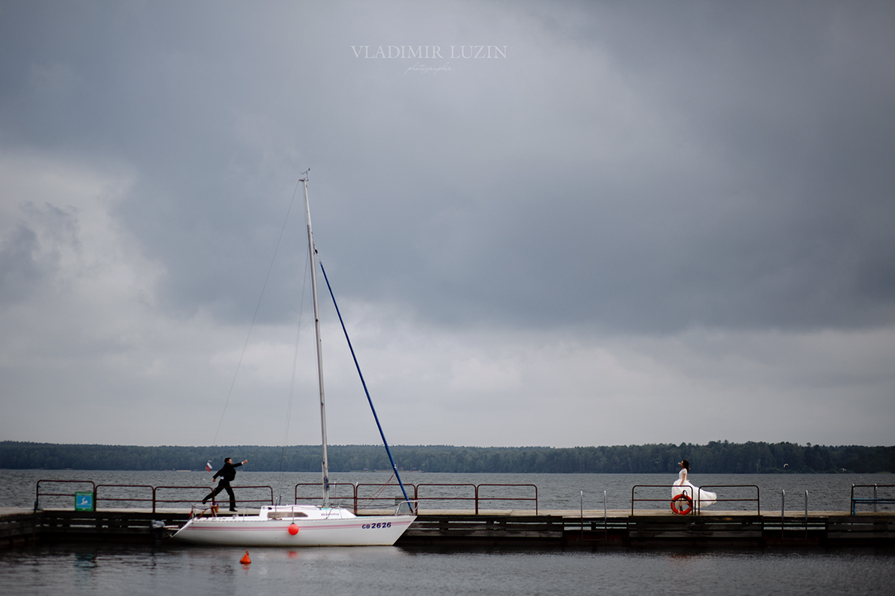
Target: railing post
[582, 517]
[476, 499]
[605, 526]
[782, 511]
[806, 514]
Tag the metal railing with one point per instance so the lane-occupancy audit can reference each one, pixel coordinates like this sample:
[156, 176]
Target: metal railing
[695, 510]
[39, 494]
[420, 493]
[361, 496]
[361, 499]
[118, 499]
[97, 491]
[439, 496]
[335, 494]
[237, 490]
[593, 524]
[479, 498]
[789, 524]
[875, 500]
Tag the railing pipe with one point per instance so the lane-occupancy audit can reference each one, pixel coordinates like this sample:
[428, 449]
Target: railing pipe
[535, 498]
[39, 494]
[582, 517]
[476, 499]
[156, 500]
[96, 497]
[875, 500]
[782, 511]
[756, 500]
[332, 485]
[605, 518]
[806, 514]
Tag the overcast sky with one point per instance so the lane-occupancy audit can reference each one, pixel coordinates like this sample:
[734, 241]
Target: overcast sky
[560, 224]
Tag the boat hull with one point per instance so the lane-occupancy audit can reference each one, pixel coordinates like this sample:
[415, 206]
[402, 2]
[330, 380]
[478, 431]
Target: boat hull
[379, 530]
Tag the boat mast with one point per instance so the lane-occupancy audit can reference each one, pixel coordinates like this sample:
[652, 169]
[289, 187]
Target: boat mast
[313, 256]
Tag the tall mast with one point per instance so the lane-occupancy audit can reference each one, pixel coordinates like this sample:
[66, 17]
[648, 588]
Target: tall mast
[313, 256]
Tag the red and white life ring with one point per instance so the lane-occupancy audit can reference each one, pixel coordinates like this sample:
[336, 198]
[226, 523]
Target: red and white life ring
[683, 510]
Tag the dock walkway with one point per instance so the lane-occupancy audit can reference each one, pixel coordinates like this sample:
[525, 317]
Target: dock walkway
[501, 528]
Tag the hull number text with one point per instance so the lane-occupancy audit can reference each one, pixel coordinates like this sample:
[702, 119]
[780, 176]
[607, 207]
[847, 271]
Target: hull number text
[376, 526]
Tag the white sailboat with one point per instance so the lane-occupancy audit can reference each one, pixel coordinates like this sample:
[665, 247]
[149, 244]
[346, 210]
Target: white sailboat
[304, 525]
[296, 526]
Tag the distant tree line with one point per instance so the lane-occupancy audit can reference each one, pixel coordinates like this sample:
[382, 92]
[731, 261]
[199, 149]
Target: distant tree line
[716, 457]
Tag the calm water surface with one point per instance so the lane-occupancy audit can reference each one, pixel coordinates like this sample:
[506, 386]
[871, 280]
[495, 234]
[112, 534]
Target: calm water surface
[106, 570]
[173, 569]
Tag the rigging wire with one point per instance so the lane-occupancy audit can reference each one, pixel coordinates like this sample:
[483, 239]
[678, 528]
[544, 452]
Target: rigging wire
[254, 316]
[301, 309]
[375, 496]
[364, 383]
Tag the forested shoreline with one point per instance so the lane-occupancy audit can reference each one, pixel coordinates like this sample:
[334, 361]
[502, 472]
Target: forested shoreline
[719, 457]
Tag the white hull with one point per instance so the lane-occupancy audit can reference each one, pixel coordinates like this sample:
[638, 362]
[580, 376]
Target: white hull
[336, 527]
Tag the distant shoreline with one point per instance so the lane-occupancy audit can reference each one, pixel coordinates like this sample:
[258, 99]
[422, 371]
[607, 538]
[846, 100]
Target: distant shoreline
[716, 457]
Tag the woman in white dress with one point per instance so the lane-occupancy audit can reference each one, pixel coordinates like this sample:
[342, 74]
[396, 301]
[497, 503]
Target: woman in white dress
[700, 497]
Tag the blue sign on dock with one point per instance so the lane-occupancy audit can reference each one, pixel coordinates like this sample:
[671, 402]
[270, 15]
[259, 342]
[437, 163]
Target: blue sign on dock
[83, 501]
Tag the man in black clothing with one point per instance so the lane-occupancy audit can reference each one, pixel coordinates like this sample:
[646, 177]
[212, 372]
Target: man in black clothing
[227, 474]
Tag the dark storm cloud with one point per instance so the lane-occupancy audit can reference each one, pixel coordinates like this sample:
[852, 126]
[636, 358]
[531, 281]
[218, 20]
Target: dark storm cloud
[628, 181]
[18, 271]
[756, 194]
[26, 259]
[780, 216]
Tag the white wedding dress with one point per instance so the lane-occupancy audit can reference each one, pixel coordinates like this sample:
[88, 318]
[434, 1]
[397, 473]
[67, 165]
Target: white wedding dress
[701, 498]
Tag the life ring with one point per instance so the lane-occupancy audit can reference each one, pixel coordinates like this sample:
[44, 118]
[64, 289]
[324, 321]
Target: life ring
[684, 510]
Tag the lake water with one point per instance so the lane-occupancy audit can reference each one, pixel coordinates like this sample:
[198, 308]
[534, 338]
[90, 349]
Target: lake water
[111, 570]
[75, 569]
[826, 492]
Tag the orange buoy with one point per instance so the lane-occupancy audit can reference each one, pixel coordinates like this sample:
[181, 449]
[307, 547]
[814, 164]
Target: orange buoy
[245, 560]
[293, 529]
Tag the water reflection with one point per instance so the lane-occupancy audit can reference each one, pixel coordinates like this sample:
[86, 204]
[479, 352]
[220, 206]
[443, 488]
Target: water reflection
[102, 569]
